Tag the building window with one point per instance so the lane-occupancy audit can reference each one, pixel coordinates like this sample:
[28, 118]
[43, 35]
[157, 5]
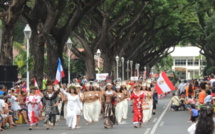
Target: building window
[190, 62]
[196, 62]
[180, 62]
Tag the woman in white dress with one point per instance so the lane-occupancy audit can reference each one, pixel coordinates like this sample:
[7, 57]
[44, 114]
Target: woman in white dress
[125, 100]
[97, 102]
[73, 107]
[81, 97]
[33, 102]
[119, 105]
[146, 104]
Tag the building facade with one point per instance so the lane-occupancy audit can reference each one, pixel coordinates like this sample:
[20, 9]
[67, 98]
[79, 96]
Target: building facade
[188, 63]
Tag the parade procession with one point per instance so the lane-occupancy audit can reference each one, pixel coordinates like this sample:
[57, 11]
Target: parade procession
[79, 101]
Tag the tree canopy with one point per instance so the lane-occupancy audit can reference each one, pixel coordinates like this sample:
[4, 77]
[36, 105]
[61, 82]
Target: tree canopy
[138, 30]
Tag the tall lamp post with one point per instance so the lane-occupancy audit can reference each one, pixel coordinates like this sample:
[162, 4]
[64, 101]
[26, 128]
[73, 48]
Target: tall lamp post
[128, 69]
[144, 74]
[69, 46]
[98, 53]
[122, 59]
[27, 33]
[138, 70]
[131, 64]
[117, 62]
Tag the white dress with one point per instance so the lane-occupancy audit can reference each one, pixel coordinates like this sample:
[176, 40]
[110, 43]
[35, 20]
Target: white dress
[119, 109]
[88, 110]
[97, 109]
[125, 108]
[33, 109]
[147, 113]
[73, 108]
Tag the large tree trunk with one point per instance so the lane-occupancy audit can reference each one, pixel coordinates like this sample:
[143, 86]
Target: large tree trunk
[90, 63]
[108, 65]
[37, 51]
[52, 57]
[6, 50]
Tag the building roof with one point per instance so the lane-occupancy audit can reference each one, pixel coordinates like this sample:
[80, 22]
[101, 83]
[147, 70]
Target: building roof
[188, 51]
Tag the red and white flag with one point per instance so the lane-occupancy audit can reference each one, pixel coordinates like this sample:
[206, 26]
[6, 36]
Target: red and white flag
[163, 84]
[36, 85]
[60, 73]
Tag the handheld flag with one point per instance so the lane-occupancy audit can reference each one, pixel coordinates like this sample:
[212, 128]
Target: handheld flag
[60, 73]
[163, 84]
[36, 85]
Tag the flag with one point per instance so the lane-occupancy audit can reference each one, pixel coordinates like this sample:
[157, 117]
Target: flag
[163, 84]
[60, 73]
[36, 85]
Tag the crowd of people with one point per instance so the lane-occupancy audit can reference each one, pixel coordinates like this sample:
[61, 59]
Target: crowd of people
[89, 100]
[198, 97]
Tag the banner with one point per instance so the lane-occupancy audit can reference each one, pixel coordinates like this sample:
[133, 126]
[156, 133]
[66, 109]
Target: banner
[101, 76]
[135, 78]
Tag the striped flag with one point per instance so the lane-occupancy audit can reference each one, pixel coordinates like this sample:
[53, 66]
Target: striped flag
[36, 85]
[163, 84]
[60, 73]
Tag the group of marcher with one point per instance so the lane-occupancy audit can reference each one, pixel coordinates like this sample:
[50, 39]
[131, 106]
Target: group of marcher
[91, 100]
[198, 97]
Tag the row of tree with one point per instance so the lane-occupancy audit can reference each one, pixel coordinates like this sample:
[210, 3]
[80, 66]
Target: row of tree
[138, 30]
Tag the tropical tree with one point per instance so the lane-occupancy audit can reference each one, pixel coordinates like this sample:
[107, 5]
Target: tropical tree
[10, 11]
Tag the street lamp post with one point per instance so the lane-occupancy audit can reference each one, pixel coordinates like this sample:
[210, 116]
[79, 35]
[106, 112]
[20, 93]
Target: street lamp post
[122, 59]
[98, 53]
[128, 69]
[144, 74]
[27, 33]
[117, 61]
[69, 46]
[138, 70]
[131, 64]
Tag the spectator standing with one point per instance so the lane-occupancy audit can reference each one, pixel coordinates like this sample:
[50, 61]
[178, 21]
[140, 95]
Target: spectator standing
[202, 94]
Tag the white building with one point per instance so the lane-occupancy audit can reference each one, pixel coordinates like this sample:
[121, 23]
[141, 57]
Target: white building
[187, 62]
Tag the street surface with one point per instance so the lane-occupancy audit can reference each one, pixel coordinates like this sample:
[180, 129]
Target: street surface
[164, 122]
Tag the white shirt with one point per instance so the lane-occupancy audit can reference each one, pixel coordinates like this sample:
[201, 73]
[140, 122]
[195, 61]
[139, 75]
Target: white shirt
[211, 81]
[14, 104]
[182, 87]
[2, 105]
[192, 129]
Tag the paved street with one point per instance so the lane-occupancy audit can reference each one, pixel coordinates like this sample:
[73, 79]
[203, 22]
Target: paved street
[161, 123]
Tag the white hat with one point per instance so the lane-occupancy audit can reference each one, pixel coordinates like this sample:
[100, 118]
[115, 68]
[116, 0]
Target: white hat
[109, 84]
[77, 85]
[71, 84]
[144, 84]
[118, 86]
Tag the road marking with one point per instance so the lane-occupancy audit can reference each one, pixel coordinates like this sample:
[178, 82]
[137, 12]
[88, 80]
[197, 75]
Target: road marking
[162, 123]
[147, 131]
[155, 119]
[159, 120]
